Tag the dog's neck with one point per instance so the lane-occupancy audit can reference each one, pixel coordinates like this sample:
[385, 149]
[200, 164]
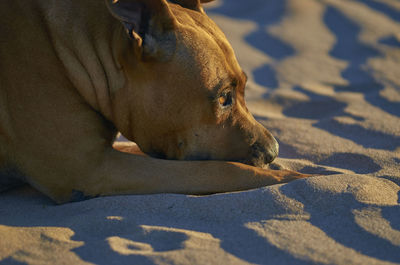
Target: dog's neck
[89, 52]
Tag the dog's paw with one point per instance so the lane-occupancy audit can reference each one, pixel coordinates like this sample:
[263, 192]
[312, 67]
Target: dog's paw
[285, 175]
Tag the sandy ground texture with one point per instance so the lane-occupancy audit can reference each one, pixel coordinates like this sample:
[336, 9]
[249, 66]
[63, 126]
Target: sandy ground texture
[324, 77]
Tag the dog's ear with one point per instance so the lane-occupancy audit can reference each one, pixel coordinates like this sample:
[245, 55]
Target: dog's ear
[191, 4]
[150, 23]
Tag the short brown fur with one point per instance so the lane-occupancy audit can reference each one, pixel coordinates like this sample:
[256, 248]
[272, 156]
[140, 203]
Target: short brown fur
[71, 77]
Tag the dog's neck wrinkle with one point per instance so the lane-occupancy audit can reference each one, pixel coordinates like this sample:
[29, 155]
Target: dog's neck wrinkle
[107, 52]
[88, 53]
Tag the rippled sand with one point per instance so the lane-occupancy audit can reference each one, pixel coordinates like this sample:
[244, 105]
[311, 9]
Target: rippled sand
[324, 77]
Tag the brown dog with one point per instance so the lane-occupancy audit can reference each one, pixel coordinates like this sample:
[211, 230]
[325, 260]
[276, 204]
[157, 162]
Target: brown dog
[73, 73]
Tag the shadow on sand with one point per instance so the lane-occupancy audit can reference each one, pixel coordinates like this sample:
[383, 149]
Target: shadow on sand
[349, 48]
[324, 109]
[175, 220]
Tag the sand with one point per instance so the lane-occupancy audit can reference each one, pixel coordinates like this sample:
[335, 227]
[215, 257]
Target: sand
[324, 77]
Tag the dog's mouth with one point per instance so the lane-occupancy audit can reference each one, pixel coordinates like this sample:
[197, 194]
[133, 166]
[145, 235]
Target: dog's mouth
[258, 158]
[259, 153]
[158, 155]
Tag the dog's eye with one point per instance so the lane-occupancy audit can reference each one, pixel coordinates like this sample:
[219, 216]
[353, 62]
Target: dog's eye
[225, 99]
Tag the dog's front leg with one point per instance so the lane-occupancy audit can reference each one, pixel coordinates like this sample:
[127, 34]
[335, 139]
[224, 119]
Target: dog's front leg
[123, 173]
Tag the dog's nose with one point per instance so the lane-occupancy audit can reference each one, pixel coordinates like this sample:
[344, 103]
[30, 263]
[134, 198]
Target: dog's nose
[265, 150]
[272, 151]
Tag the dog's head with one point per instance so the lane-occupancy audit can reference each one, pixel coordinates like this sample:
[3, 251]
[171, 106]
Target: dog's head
[185, 89]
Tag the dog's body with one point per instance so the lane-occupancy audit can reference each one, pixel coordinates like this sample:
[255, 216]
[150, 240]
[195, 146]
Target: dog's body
[71, 77]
